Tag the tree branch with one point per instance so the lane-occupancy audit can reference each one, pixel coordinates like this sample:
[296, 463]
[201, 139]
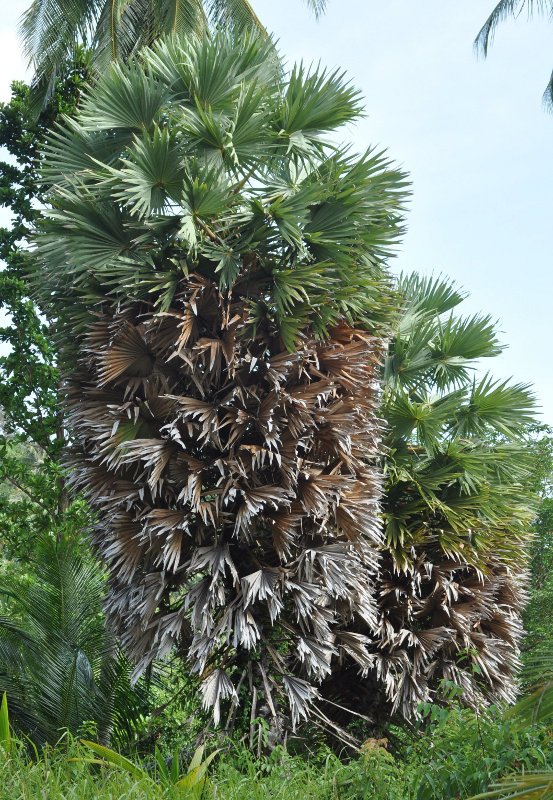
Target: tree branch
[31, 497]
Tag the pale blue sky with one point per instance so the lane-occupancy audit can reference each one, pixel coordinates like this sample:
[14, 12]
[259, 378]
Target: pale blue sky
[473, 135]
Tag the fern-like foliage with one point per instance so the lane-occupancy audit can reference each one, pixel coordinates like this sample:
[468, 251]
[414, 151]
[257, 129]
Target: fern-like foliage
[59, 667]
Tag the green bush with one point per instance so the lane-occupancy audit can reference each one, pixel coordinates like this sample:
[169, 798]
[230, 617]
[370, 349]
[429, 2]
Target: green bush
[461, 753]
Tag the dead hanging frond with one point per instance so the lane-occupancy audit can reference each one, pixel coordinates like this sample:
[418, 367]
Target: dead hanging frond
[236, 489]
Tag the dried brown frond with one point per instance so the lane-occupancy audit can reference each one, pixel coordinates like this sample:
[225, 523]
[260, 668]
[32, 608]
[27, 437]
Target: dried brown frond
[235, 487]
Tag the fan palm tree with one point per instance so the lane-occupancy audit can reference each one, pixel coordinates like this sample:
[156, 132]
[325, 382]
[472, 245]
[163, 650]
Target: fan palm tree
[58, 665]
[513, 8]
[456, 515]
[215, 262]
[118, 29]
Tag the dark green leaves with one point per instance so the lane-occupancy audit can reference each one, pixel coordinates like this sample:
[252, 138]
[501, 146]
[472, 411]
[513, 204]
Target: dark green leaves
[457, 460]
[58, 664]
[499, 406]
[152, 176]
[317, 102]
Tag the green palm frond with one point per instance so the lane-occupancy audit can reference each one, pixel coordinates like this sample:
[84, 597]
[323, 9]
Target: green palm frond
[131, 100]
[494, 405]
[317, 102]
[57, 662]
[188, 147]
[49, 31]
[502, 11]
[426, 294]
[423, 420]
[432, 348]
[154, 176]
[514, 8]
[235, 13]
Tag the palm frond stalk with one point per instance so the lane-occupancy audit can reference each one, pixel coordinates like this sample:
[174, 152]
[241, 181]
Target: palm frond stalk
[457, 516]
[219, 266]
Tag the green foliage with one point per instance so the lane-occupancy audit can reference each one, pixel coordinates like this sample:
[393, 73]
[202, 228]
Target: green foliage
[54, 776]
[462, 753]
[533, 781]
[175, 720]
[456, 444]
[58, 665]
[453, 754]
[193, 781]
[52, 29]
[33, 499]
[244, 187]
[5, 734]
[538, 643]
[537, 616]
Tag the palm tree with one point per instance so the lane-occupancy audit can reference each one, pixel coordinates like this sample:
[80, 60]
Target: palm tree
[456, 515]
[513, 8]
[58, 665]
[118, 29]
[215, 262]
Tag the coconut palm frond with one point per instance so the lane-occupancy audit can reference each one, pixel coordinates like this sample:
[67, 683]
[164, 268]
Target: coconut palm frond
[514, 8]
[502, 11]
[116, 30]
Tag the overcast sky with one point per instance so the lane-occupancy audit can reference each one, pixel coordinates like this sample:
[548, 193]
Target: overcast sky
[472, 134]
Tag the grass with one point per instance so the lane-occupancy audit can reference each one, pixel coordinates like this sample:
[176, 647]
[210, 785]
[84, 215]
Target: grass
[55, 778]
[58, 774]
[458, 755]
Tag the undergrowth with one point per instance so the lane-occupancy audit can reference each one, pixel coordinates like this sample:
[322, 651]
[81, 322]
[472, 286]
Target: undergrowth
[455, 754]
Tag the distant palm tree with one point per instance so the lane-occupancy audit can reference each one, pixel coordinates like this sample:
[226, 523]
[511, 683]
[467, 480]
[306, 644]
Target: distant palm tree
[513, 8]
[117, 29]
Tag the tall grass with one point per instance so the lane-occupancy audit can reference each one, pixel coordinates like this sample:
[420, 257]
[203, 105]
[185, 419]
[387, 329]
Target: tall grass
[457, 755]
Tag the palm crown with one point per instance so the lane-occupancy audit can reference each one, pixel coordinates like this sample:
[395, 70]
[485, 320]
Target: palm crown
[218, 263]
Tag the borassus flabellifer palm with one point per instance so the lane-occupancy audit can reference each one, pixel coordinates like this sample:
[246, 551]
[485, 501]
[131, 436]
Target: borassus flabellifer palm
[456, 515]
[215, 261]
